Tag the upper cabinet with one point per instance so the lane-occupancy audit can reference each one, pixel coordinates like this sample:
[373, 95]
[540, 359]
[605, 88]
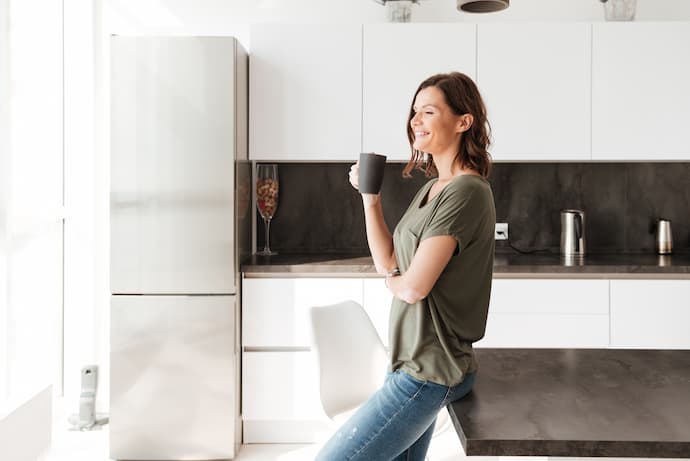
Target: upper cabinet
[640, 91]
[305, 92]
[535, 81]
[554, 91]
[397, 58]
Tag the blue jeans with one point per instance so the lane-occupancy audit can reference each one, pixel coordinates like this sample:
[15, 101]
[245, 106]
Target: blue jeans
[396, 423]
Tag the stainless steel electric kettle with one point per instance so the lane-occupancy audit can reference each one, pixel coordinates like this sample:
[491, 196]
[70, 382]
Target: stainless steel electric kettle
[664, 237]
[573, 232]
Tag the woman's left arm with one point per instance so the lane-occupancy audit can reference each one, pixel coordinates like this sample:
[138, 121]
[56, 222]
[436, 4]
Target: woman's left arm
[431, 257]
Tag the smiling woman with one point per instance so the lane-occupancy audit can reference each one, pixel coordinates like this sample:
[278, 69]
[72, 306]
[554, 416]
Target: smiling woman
[438, 264]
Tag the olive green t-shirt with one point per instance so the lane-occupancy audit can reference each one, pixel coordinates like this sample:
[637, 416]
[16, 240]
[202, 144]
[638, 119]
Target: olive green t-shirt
[432, 339]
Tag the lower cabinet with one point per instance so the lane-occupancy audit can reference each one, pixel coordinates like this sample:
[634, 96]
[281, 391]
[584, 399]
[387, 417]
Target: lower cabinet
[280, 383]
[548, 313]
[280, 398]
[650, 314]
[377, 301]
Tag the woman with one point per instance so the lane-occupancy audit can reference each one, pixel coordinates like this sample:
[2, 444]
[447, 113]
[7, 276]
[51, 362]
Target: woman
[438, 265]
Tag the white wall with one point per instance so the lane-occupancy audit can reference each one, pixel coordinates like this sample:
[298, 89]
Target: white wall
[4, 191]
[86, 80]
[86, 312]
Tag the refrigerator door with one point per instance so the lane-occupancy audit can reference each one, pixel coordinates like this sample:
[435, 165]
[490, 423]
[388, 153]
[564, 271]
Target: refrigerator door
[172, 165]
[172, 377]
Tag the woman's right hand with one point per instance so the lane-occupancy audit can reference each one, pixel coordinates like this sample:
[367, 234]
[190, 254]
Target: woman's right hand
[367, 199]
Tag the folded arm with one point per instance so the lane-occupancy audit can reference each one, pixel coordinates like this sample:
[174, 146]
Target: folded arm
[431, 257]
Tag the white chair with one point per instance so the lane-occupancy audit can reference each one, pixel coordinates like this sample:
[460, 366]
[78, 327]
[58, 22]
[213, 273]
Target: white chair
[352, 360]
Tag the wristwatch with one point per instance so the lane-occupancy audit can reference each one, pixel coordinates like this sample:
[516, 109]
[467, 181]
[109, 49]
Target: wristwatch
[391, 273]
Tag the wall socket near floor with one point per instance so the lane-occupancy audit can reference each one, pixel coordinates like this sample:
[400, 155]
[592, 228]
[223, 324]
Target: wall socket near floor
[501, 232]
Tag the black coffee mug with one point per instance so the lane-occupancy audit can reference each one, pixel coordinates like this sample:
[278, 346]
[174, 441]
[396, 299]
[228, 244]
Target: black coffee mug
[371, 168]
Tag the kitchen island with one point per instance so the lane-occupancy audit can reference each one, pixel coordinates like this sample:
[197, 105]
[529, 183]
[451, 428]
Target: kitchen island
[577, 402]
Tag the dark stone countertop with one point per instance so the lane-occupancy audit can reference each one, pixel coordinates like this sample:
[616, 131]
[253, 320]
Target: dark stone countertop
[506, 265]
[577, 402]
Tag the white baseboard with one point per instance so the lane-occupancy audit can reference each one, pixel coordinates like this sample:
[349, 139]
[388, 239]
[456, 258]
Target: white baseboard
[286, 431]
[26, 427]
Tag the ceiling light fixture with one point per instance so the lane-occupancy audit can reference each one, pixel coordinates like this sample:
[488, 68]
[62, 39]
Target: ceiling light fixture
[481, 6]
[619, 10]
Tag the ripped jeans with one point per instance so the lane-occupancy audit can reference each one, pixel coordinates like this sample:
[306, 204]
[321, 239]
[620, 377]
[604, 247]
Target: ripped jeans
[395, 423]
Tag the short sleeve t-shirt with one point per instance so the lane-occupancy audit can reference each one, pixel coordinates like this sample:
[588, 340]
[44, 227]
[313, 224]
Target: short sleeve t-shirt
[432, 339]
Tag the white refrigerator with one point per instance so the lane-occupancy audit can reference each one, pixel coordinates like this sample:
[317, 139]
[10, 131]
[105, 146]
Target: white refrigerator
[180, 222]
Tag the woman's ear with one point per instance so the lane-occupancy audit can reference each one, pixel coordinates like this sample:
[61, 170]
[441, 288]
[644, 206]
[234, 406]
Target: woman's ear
[464, 123]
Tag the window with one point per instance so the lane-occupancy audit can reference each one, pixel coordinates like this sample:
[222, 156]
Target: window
[31, 177]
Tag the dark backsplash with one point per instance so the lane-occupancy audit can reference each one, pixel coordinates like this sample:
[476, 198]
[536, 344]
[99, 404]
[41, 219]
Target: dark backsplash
[319, 212]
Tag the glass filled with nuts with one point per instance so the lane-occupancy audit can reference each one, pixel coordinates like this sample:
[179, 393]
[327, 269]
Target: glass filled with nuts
[267, 199]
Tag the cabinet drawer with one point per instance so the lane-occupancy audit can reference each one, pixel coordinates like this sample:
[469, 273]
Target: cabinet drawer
[280, 386]
[650, 314]
[546, 330]
[280, 398]
[275, 311]
[550, 296]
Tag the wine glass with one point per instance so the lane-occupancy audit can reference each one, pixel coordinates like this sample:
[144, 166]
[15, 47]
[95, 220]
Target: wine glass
[267, 199]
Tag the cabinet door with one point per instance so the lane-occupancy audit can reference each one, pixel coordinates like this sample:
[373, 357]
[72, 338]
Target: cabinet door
[547, 313]
[377, 303]
[280, 398]
[652, 314]
[397, 58]
[640, 91]
[535, 81]
[275, 311]
[305, 92]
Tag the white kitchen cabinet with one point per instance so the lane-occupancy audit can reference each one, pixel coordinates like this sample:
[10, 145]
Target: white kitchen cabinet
[280, 398]
[305, 92]
[280, 385]
[397, 58]
[535, 81]
[275, 311]
[377, 303]
[280, 394]
[548, 313]
[650, 314]
[640, 91]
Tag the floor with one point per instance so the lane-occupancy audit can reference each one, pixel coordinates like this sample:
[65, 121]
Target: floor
[69, 445]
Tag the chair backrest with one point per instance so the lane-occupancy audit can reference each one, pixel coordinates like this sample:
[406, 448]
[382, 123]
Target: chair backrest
[351, 357]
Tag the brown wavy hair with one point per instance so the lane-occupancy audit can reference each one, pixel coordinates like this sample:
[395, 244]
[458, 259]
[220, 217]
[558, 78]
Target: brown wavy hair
[462, 96]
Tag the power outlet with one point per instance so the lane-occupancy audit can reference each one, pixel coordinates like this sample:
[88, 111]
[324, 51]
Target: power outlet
[501, 232]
